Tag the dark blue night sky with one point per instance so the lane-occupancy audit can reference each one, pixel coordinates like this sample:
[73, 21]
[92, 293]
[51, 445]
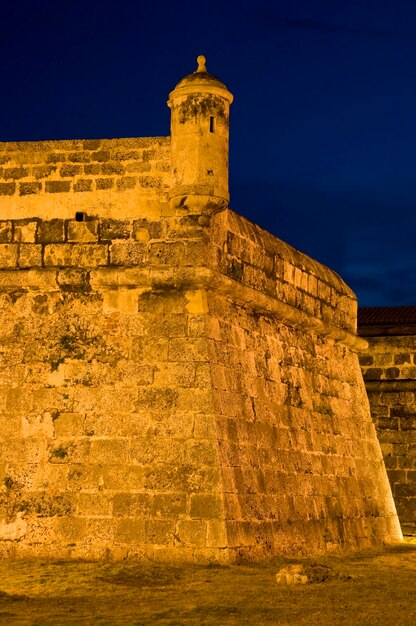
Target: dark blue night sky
[323, 128]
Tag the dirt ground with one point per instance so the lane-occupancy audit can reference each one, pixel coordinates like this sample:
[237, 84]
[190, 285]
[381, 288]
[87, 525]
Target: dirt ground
[373, 587]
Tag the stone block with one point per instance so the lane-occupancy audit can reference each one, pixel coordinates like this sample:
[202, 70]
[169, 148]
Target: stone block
[79, 157]
[30, 255]
[131, 479]
[159, 532]
[149, 349]
[70, 171]
[148, 452]
[127, 182]
[401, 358]
[195, 400]
[128, 254]
[92, 169]
[71, 529]
[28, 189]
[73, 280]
[114, 229]
[138, 167]
[150, 182]
[7, 189]
[192, 533]
[69, 424]
[138, 505]
[100, 183]
[82, 231]
[101, 156]
[205, 426]
[109, 169]
[130, 531]
[169, 505]
[109, 451]
[125, 155]
[398, 476]
[8, 255]
[5, 231]
[57, 186]
[25, 231]
[15, 172]
[94, 505]
[392, 372]
[188, 349]
[173, 426]
[83, 184]
[365, 360]
[206, 506]
[56, 157]
[174, 374]
[174, 325]
[178, 253]
[156, 399]
[122, 300]
[51, 231]
[152, 227]
[373, 373]
[406, 490]
[43, 171]
[75, 255]
[142, 234]
[216, 534]
[408, 424]
[91, 144]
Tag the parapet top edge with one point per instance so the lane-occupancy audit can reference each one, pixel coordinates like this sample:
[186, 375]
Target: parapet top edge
[85, 144]
[271, 243]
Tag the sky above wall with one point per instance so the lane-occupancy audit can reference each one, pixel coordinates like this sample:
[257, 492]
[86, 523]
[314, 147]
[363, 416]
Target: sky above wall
[323, 126]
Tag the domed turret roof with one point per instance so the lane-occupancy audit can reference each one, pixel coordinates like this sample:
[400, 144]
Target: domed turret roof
[200, 77]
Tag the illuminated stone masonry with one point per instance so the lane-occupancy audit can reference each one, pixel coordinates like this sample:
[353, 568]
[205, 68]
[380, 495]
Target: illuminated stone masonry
[389, 369]
[175, 382]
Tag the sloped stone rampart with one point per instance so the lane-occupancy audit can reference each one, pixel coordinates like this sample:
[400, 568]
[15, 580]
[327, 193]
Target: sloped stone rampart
[302, 468]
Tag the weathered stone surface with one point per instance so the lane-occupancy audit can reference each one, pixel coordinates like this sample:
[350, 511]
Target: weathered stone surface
[179, 416]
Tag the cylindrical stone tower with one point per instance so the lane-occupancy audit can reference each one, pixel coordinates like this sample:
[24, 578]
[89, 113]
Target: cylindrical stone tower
[200, 105]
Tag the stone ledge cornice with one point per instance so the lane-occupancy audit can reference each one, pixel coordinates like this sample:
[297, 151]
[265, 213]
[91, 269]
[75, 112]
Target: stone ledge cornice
[190, 278]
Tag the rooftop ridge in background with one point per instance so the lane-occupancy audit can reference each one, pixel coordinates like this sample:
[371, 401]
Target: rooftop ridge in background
[369, 315]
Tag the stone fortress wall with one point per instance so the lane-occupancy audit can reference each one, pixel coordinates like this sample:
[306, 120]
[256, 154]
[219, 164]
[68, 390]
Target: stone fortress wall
[389, 370]
[175, 382]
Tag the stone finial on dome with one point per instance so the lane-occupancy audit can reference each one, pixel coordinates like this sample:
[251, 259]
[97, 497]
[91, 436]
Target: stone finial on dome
[201, 80]
[201, 60]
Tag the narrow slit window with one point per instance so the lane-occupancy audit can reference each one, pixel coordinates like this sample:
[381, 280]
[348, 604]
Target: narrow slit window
[212, 124]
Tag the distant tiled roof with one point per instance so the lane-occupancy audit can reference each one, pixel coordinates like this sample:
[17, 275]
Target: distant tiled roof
[378, 315]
